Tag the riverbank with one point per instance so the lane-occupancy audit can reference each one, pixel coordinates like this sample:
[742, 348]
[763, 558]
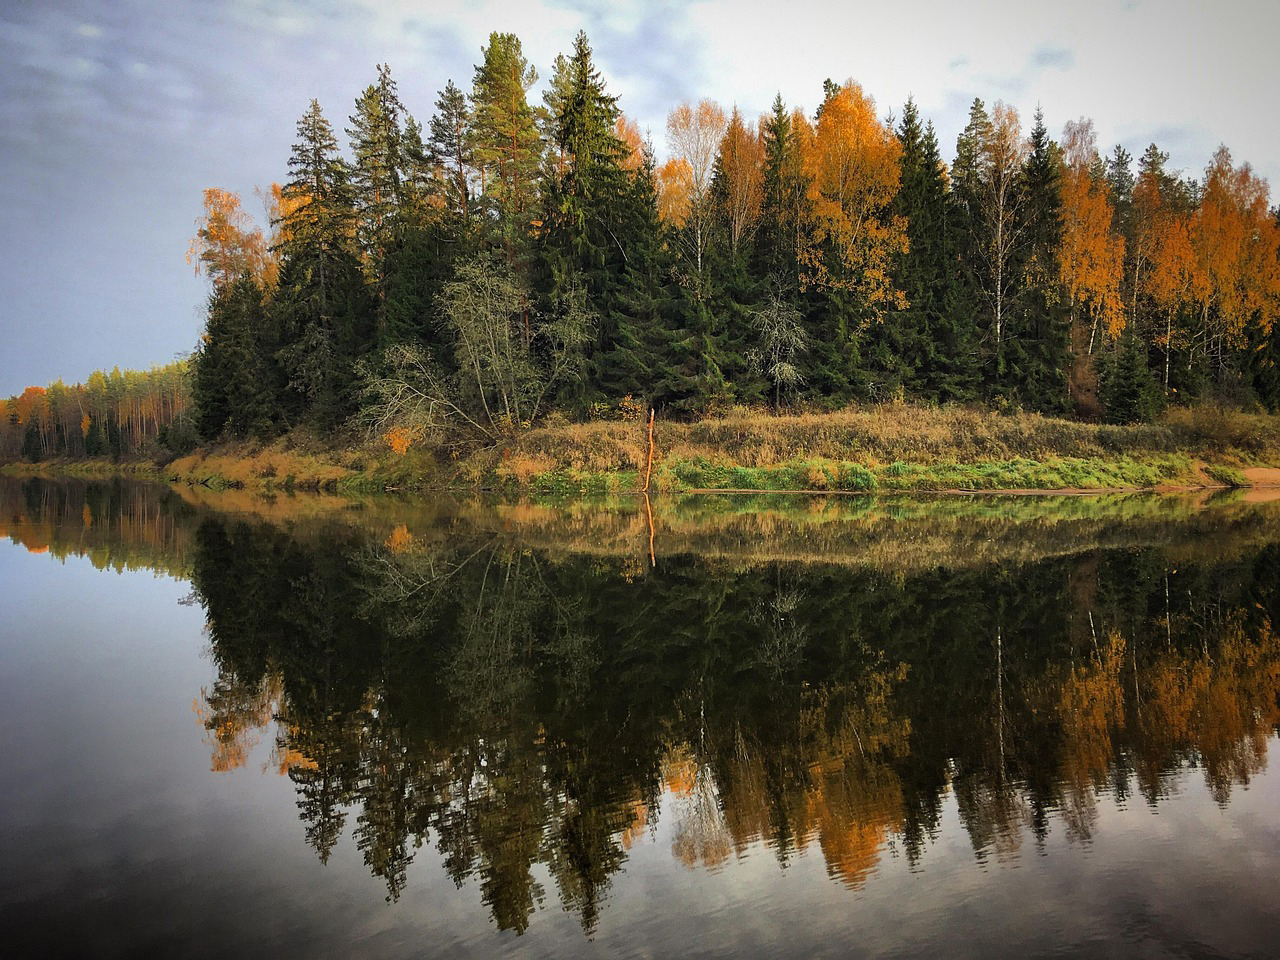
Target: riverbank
[891, 448]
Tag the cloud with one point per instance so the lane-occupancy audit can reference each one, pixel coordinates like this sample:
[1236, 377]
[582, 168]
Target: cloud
[113, 116]
[1059, 58]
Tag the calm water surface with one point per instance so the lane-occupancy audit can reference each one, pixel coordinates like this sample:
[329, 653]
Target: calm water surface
[236, 727]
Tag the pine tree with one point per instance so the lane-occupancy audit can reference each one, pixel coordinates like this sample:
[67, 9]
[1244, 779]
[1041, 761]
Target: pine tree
[505, 142]
[451, 151]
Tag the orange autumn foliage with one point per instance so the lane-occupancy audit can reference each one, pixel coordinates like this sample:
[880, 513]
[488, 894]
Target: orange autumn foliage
[401, 438]
[400, 539]
[33, 401]
[1091, 259]
[1237, 250]
[851, 161]
[227, 242]
[628, 131]
[675, 183]
[741, 168]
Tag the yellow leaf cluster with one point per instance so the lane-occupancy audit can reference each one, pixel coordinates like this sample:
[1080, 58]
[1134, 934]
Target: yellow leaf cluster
[851, 161]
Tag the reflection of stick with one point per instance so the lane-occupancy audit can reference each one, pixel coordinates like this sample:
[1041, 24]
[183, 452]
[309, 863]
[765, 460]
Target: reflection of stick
[649, 469]
[649, 510]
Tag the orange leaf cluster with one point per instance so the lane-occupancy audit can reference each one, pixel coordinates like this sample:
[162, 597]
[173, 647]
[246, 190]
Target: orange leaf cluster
[741, 162]
[1091, 259]
[228, 243]
[400, 439]
[851, 161]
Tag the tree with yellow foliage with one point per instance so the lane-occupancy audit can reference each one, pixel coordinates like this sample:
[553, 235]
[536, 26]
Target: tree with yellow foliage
[851, 161]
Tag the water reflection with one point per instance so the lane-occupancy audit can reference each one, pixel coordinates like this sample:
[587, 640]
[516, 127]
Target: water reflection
[524, 690]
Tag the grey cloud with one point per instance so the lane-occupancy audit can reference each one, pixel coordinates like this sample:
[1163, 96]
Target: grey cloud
[1048, 57]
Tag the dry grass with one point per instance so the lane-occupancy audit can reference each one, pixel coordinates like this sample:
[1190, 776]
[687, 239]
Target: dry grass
[894, 441]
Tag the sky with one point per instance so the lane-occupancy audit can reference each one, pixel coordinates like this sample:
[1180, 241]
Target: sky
[116, 114]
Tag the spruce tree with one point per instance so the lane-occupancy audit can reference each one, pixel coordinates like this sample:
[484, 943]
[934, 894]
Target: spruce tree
[231, 385]
[321, 312]
[783, 200]
[584, 248]
[1039, 357]
[636, 361]
[928, 348]
[376, 180]
[377, 169]
[1129, 390]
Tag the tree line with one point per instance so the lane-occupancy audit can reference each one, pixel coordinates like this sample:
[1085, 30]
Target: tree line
[116, 414]
[515, 256]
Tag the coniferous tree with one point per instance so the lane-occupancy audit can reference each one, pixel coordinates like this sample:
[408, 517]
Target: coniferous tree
[377, 179]
[637, 360]
[376, 173]
[505, 143]
[1128, 389]
[451, 151]
[783, 199]
[929, 348]
[1040, 355]
[584, 246]
[322, 313]
[231, 386]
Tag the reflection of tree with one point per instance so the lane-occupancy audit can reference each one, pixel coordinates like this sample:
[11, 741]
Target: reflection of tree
[1091, 704]
[234, 714]
[524, 710]
[702, 836]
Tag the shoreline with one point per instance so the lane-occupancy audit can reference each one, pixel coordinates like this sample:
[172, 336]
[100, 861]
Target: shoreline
[889, 449]
[1202, 477]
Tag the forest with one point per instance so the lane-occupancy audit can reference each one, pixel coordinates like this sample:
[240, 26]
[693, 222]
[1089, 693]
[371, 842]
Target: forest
[521, 257]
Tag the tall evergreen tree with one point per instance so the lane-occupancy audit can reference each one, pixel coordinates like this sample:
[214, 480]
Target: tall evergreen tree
[377, 178]
[377, 170]
[451, 151]
[584, 248]
[505, 142]
[637, 360]
[321, 310]
[928, 348]
[232, 383]
[580, 198]
[1040, 357]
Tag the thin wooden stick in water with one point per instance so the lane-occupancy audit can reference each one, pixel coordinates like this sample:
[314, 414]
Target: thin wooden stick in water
[649, 469]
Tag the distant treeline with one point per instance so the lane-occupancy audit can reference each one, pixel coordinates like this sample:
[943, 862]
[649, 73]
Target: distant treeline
[111, 414]
[509, 258]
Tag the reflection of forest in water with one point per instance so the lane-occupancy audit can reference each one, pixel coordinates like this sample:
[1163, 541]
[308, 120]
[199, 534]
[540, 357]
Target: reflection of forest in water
[533, 712]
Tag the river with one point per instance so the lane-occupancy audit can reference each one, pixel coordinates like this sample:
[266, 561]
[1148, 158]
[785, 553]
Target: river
[245, 726]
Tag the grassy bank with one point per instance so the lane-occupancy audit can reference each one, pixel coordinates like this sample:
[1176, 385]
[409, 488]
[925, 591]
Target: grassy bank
[887, 448]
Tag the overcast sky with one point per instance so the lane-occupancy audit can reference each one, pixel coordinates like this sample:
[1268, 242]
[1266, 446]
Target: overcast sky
[114, 115]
